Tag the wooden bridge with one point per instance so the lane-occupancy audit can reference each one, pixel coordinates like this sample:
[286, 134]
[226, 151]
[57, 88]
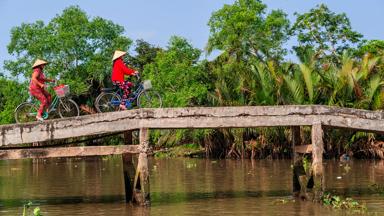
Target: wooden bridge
[137, 182]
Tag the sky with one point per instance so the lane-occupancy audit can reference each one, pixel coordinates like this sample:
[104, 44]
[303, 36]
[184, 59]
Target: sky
[156, 21]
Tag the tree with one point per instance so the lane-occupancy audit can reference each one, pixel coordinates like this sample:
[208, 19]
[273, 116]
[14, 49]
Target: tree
[374, 47]
[182, 81]
[244, 29]
[324, 32]
[79, 48]
[177, 74]
[145, 54]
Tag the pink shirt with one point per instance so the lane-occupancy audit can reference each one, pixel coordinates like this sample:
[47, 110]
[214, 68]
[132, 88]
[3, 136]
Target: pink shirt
[40, 77]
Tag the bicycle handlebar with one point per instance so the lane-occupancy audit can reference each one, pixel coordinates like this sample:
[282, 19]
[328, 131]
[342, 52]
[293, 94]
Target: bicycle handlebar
[51, 83]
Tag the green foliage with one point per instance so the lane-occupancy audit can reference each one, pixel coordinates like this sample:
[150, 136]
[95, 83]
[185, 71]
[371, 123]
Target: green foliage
[12, 94]
[176, 73]
[323, 31]
[78, 48]
[339, 203]
[244, 29]
[306, 164]
[375, 47]
[145, 54]
[185, 150]
[26, 210]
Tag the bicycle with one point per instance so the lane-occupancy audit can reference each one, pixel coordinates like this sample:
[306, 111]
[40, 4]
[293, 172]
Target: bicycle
[61, 103]
[109, 99]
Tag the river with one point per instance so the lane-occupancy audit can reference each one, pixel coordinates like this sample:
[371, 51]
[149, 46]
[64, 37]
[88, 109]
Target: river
[94, 186]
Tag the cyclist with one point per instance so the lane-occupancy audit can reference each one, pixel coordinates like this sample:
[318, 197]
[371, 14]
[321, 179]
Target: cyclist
[119, 69]
[36, 87]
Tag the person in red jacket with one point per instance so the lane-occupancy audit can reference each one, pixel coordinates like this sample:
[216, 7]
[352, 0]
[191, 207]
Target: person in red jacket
[36, 87]
[119, 69]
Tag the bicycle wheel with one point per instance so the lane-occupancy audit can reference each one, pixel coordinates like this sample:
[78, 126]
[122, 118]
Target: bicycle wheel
[68, 108]
[149, 99]
[107, 102]
[26, 112]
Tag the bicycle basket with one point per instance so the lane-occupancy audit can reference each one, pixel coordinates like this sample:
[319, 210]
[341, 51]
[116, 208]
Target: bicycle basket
[62, 90]
[147, 84]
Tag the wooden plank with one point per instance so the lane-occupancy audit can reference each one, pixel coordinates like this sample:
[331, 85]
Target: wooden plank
[195, 117]
[66, 152]
[303, 149]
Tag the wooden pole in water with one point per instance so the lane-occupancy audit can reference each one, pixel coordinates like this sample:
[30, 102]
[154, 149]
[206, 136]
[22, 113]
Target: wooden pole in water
[129, 176]
[296, 140]
[317, 163]
[128, 168]
[141, 184]
[128, 137]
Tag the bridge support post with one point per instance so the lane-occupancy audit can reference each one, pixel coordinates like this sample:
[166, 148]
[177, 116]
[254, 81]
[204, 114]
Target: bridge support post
[129, 175]
[296, 140]
[128, 137]
[141, 193]
[317, 161]
[128, 168]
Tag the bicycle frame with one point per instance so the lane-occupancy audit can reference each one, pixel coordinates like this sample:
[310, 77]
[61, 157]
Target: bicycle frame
[54, 104]
[136, 94]
[51, 108]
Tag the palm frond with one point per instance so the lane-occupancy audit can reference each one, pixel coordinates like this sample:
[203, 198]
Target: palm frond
[295, 89]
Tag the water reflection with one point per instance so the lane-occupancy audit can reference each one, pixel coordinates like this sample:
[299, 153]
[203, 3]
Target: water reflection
[94, 186]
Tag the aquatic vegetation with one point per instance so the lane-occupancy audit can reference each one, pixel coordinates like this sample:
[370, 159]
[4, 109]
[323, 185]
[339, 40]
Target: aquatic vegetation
[26, 210]
[338, 202]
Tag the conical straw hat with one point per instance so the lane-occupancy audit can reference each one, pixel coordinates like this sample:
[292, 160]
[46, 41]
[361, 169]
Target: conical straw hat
[39, 62]
[118, 54]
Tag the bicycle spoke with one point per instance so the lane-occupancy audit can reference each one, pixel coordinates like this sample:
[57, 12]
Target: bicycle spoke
[25, 112]
[68, 108]
[108, 102]
[149, 99]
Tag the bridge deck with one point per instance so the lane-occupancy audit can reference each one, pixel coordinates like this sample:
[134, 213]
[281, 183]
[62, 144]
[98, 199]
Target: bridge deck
[194, 117]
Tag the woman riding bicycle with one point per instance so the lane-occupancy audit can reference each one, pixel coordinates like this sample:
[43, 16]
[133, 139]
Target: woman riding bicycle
[36, 87]
[119, 69]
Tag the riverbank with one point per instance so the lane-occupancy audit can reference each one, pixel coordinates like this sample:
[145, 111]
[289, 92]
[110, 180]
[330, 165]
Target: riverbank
[187, 150]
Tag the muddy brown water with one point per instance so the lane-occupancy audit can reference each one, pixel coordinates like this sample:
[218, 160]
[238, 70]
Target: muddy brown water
[94, 186]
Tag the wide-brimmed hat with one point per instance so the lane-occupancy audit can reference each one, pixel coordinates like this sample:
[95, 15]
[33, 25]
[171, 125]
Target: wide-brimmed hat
[39, 62]
[118, 54]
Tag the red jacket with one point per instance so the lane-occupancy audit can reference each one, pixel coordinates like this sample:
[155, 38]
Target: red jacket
[119, 70]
